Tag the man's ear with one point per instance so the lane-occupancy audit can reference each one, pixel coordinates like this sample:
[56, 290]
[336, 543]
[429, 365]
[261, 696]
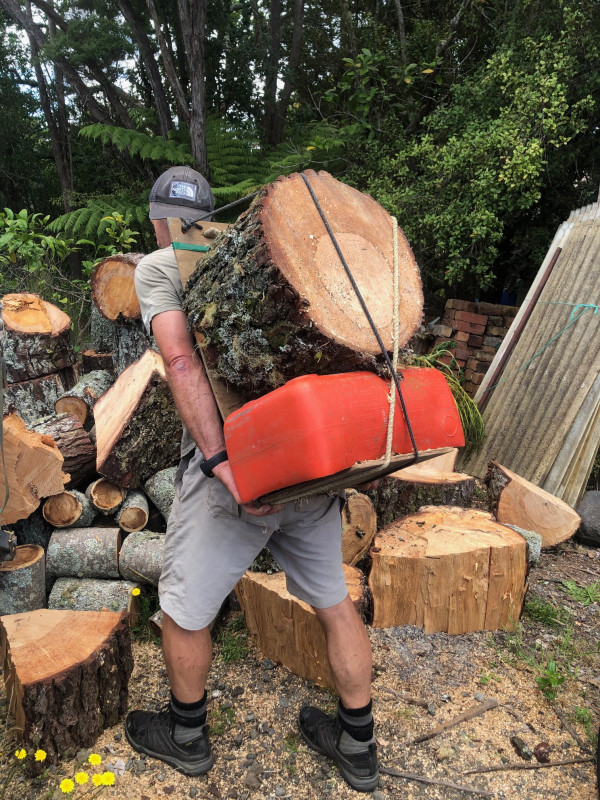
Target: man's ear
[162, 233]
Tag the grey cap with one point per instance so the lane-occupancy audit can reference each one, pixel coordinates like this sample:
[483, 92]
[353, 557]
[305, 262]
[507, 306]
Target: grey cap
[180, 192]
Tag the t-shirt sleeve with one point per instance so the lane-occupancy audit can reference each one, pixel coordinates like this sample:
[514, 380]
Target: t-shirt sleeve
[158, 285]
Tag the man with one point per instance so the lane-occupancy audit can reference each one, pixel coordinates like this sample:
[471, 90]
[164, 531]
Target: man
[212, 538]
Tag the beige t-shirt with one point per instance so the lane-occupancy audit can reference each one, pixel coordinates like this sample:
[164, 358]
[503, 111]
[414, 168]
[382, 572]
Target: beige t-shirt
[159, 288]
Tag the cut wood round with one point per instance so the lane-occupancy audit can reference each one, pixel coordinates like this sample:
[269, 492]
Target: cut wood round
[35, 399]
[74, 443]
[133, 514]
[359, 524]
[287, 629]
[23, 581]
[106, 497]
[272, 300]
[130, 343]
[92, 361]
[113, 290]
[516, 501]
[141, 557]
[95, 594]
[160, 488]
[33, 468]
[405, 491]
[448, 569]
[68, 509]
[84, 553]
[81, 399]
[68, 673]
[38, 337]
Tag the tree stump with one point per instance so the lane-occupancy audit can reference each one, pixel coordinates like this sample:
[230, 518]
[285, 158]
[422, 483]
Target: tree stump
[448, 569]
[133, 514]
[106, 497]
[81, 399]
[38, 337]
[359, 524]
[74, 443]
[23, 581]
[95, 594]
[141, 557]
[69, 509]
[160, 488]
[272, 301]
[84, 553]
[113, 290]
[287, 629]
[33, 468]
[138, 429]
[66, 676]
[516, 501]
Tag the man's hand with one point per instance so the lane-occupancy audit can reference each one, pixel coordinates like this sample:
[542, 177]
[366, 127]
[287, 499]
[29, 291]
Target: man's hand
[224, 474]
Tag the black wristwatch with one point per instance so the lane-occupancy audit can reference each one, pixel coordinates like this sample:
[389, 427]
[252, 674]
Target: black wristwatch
[208, 464]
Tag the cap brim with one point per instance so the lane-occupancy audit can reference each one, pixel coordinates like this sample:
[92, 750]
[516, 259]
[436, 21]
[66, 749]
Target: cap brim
[166, 210]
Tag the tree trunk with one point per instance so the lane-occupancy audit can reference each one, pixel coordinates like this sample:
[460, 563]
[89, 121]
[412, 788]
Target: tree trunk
[160, 488]
[38, 337]
[84, 553]
[516, 501]
[95, 594]
[359, 525]
[448, 569]
[69, 509]
[33, 468]
[74, 443]
[138, 429]
[35, 399]
[192, 14]
[81, 399]
[113, 289]
[66, 675]
[106, 497]
[133, 514]
[287, 629]
[141, 557]
[23, 581]
[272, 300]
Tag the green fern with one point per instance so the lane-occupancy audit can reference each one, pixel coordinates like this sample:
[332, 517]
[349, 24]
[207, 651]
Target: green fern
[137, 143]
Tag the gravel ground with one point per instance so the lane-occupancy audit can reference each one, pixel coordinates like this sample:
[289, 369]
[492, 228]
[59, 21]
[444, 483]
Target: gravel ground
[420, 681]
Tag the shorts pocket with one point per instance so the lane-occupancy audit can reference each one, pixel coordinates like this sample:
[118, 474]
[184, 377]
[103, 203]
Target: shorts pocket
[220, 501]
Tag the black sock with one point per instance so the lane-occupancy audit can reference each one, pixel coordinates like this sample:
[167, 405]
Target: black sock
[357, 722]
[190, 715]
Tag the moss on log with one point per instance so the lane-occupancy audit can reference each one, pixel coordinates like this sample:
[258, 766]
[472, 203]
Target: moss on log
[84, 553]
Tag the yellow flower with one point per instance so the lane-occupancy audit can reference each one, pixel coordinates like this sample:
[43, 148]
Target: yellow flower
[135, 591]
[67, 785]
[81, 778]
[40, 755]
[108, 778]
[94, 758]
[20, 754]
[97, 780]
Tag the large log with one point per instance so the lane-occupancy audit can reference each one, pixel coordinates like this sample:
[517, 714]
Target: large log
[69, 509]
[130, 343]
[95, 594]
[359, 525]
[33, 530]
[448, 569]
[141, 556]
[33, 468]
[81, 399]
[66, 676]
[92, 361]
[272, 300]
[35, 399]
[287, 629]
[516, 501]
[38, 337]
[74, 443]
[134, 512]
[84, 553]
[113, 290]
[23, 581]
[138, 429]
[160, 488]
[102, 332]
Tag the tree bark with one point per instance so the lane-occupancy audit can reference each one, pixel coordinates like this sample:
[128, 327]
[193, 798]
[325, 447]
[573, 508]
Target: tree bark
[84, 553]
[133, 514]
[102, 332]
[192, 14]
[66, 675]
[74, 443]
[169, 67]
[23, 581]
[81, 399]
[35, 399]
[69, 509]
[141, 557]
[160, 488]
[359, 525]
[91, 361]
[95, 594]
[130, 343]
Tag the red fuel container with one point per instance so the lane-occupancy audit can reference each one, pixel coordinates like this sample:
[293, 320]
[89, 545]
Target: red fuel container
[315, 426]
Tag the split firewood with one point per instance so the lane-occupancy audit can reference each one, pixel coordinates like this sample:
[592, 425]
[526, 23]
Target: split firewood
[133, 514]
[33, 469]
[518, 502]
[279, 265]
[130, 343]
[359, 525]
[69, 509]
[66, 674]
[38, 337]
[35, 398]
[106, 497]
[74, 443]
[407, 490]
[138, 429]
[460, 571]
[286, 628]
[91, 361]
[95, 594]
[476, 711]
[23, 581]
[81, 399]
[160, 488]
[84, 553]
[141, 557]
[113, 289]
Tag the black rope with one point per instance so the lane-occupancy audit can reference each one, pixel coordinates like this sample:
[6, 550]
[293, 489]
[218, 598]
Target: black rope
[186, 224]
[366, 310]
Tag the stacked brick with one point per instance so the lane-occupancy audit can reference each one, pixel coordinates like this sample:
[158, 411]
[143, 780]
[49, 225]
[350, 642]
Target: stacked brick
[478, 330]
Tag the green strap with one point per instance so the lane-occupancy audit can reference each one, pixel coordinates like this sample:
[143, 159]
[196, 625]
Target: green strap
[200, 248]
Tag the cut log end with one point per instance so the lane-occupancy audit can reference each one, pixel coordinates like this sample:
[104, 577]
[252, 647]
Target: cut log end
[113, 289]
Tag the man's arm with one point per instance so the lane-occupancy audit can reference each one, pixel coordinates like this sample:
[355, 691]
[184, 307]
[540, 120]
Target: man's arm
[194, 398]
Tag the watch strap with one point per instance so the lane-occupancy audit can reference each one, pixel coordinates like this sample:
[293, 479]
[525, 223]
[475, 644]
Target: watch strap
[208, 464]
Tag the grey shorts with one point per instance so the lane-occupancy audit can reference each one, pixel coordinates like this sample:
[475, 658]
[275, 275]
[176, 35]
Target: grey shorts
[211, 542]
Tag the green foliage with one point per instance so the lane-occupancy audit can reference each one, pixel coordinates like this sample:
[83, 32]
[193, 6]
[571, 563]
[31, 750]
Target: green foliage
[486, 677]
[221, 719]
[548, 614]
[139, 144]
[585, 718]
[582, 594]
[550, 679]
[233, 640]
[148, 605]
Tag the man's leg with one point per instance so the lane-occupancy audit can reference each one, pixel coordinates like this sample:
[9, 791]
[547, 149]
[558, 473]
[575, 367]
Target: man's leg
[188, 655]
